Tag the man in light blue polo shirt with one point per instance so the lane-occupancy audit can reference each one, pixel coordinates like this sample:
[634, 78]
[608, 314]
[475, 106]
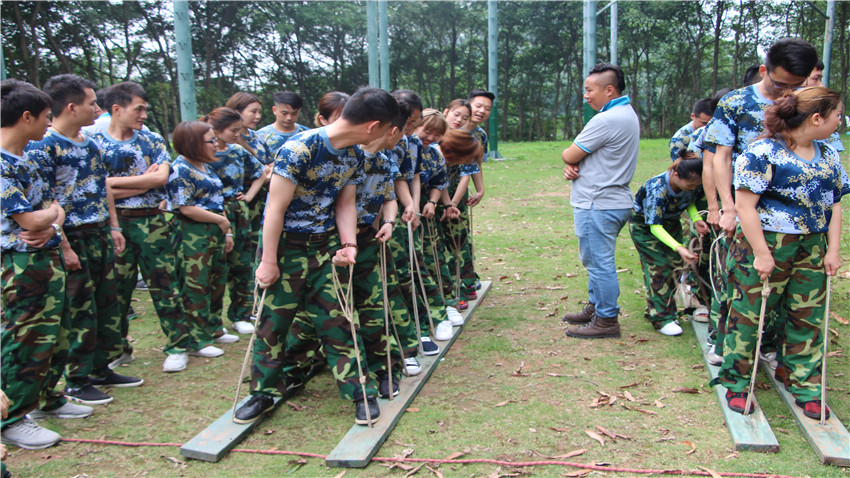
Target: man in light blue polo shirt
[601, 162]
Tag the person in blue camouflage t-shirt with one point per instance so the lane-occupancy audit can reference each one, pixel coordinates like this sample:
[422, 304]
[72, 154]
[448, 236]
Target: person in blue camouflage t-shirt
[700, 117]
[286, 109]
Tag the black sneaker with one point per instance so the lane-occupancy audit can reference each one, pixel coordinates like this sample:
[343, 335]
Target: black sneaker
[131, 314]
[360, 417]
[429, 347]
[253, 408]
[112, 379]
[384, 386]
[87, 395]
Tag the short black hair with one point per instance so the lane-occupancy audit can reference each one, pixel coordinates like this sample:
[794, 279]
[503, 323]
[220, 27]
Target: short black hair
[65, 89]
[479, 92]
[751, 75]
[18, 97]
[795, 55]
[703, 106]
[819, 65]
[288, 98]
[409, 97]
[100, 98]
[404, 112]
[370, 104]
[717, 96]
[620, 85]
[122, 94]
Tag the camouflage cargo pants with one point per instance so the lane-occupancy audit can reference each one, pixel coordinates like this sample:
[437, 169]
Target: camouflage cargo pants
[150, 248]
[34, 339]
[305, 284]
[658, 262]
[457, 233]
[94, 336]
[437, 256]
[240, 261]
[798, 291]
[202, 269]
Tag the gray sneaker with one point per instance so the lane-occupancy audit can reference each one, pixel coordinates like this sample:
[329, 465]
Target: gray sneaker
[29, 435]
[69, 410]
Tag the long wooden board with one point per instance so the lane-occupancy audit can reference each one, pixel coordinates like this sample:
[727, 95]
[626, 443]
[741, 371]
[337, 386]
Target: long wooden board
[830, 441]
[749, 432]
[361, 443]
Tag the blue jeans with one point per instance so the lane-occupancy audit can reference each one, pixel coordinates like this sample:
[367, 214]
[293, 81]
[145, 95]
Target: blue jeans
[597, 232]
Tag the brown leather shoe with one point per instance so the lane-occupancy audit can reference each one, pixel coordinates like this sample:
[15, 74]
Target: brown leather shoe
[582, 317]
[597, 328]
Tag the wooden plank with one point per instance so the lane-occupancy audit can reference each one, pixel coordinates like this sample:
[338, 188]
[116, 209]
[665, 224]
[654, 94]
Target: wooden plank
[361, 443]
[221, 436]
[830, 441]
[749, 432]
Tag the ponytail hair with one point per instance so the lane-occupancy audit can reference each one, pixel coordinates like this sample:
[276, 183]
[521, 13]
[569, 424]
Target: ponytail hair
[688, 166]
[330, 103]
[221, 118]
[460, 147]
[793, 108]
[434, 121]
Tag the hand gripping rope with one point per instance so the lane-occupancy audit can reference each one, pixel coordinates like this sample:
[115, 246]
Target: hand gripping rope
[418, 267]
[346, 303]
[825, 343]
[256, 310]
[765, 293]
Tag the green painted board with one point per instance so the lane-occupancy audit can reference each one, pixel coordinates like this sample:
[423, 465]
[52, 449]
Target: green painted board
[830, 441]
[221, 436]
[361, 443]
[749, 432]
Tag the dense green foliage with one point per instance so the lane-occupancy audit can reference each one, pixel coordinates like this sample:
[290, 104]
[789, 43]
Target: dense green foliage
[672, 52]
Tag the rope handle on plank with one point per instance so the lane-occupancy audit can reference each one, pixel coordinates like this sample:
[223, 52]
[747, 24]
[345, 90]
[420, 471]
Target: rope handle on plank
[765, 293]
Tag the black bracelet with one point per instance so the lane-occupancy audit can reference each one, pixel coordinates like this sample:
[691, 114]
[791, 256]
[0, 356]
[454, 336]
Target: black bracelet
[432, 202]
[388, 221]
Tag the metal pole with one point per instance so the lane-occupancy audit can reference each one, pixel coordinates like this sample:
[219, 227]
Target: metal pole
[589, 44]
[827, 40]
[384, 32]
[614, 19]
[493, 75]
[372, 41]
[185, 71]
[2, 63]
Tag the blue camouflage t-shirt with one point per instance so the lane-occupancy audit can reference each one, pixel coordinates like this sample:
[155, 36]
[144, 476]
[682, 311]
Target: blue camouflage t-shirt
[698, 144]
[261, 149]
[23, 188]
[738, 119]
[377, 188]
[481, 136]
[835, 141]
[234, 167]
[274, 139]
[796, 195]
[78, 176]
[404, 159]
[189, 186]
[458, 171]
[319, 171]
[433, 173]
[680, 140]
[133, 157]
[656, 201]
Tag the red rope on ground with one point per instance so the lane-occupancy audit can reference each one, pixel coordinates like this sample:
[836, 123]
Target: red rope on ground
[459, 461]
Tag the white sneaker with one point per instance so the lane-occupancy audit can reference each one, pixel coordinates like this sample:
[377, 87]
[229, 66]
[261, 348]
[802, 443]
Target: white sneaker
[124, 358]
[69, 410]
[701, 314]
[712, 356]
[176, 362]
[227, 339]
[671, 329]
[444, 331]
[29, 435]
[209, 351]
[412, 367]
[243, 327]
[455, 317]
[770, 358]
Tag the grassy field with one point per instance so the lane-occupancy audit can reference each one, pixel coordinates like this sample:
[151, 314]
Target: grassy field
[477, 403]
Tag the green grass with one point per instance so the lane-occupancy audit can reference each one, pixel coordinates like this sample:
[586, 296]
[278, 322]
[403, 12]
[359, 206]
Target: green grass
[524, 243]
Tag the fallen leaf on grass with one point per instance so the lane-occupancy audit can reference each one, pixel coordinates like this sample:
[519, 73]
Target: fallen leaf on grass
[697, 366]
[635, 384]
[435, 471]
[341, 474]
[839, 318]
[645, 412]
[502, 404]
[559, 429]
[690, 444]
[414, 471]
[401, 444]
[611, 435]
[268, 432]
[658, 403]
[762, 385]
[176, 461]
[413, 409]
[711, 472]
[297, 408]
[554, 288]
[628, 396]
[595, 436]
[503, 277]
[734, 454]
[582, 472]
[685, 390]
[570, 454]
[455, 455]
